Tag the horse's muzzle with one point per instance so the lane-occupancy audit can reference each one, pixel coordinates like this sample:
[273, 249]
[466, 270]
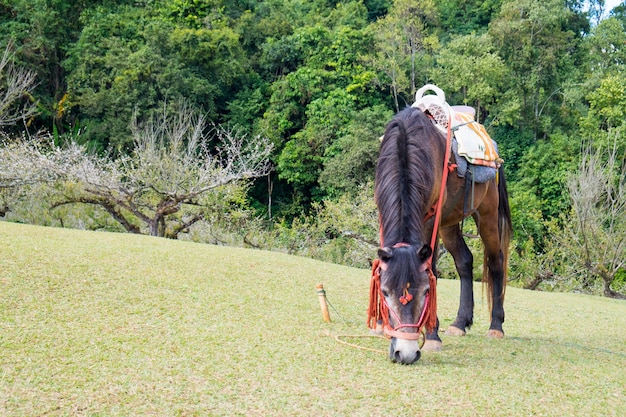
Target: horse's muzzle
[404, 351]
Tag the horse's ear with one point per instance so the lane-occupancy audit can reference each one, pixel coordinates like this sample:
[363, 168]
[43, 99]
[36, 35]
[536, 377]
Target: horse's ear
[385, 254]
[424, 253]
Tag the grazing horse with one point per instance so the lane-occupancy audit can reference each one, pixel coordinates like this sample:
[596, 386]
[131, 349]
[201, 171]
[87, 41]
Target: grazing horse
[409, 177]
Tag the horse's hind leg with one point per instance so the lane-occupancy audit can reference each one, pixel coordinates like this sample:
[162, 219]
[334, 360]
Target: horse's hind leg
[463, 260]
[495, 275]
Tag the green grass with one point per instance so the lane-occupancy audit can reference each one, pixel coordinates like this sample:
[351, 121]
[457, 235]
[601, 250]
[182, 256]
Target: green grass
[104, 324]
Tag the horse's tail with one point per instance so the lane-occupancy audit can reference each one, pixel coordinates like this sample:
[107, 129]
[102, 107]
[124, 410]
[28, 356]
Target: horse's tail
[505, 228]
[505, 224]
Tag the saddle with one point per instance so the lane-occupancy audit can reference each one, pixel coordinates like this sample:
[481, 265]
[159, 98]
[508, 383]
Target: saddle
[473, 143]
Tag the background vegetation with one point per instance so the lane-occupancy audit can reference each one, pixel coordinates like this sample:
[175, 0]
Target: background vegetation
[316, 81]
[125, 325]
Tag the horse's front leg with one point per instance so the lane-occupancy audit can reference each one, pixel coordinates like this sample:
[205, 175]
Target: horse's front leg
[463, 260]
[433, 341]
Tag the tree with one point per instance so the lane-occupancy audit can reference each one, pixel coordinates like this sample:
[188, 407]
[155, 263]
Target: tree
[595, 239]
[311, 107]
[607, 46]
[404, 38]
[536, 42]
[160, 189]
[16, 84]
[467, 16]
[469, 67]
[604, 123]
[42, 32]
[350, 161]
[129, 59]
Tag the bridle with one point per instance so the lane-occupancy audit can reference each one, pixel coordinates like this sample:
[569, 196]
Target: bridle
[390, 331]
[404, 335]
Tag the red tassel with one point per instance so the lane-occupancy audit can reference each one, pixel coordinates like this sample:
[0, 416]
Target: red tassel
[373, 310]
[431, 321]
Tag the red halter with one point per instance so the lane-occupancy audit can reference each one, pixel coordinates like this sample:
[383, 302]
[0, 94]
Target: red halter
[380, 310]
[418, 325]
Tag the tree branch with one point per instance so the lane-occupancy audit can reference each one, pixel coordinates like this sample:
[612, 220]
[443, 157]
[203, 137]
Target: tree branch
[107, 205]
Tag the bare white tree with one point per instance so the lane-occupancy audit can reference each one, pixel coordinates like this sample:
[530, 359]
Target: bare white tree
[16, 102]
[596, 237]
[162, 188]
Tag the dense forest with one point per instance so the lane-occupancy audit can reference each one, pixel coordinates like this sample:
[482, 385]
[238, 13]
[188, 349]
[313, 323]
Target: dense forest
[318, 80]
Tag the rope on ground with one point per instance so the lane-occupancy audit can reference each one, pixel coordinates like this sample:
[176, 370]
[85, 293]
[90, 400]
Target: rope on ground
[335, 310]
[339, 337]
[351, 322]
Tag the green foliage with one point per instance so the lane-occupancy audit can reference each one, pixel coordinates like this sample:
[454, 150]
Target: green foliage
[606, 51]
[604, 126]
[342, 231]
[538, 190]
[524, 33]
[619, 282]
[405, 43]
[607, 105]
[313, 106]
[528, 220]
[470, 67]
[467, 16]
[195, 13]
[543, 175]
[376, 8]
[512, 146]
[301, 161]
[619, 12]
[350, 161]
[320, 79]
[140, 61]
[113, 72]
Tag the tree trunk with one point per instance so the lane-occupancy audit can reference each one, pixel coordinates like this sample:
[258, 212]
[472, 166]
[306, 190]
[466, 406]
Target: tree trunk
[154, 225]
[608, 292]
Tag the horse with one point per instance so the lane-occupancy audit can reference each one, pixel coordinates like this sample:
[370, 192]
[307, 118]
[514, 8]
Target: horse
[409, 183]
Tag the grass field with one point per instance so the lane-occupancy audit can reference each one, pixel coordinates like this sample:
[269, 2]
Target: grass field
[102, 324]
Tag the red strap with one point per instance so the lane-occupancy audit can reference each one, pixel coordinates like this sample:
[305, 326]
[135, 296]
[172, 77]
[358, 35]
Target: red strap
[431, 321]
[444, 180]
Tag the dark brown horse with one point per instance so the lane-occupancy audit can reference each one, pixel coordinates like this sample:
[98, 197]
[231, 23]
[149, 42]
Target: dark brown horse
[408, 183]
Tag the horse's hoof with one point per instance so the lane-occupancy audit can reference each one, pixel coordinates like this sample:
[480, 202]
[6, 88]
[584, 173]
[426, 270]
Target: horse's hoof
[431, 346]
[495, 334]
[454, 331]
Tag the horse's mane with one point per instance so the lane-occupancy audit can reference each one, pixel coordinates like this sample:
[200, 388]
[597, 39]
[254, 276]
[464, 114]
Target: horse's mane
[410, 161]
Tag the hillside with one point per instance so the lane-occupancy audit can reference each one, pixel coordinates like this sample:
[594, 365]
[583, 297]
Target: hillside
[115, 324]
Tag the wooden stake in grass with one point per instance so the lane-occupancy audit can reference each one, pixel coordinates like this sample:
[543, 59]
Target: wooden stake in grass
[321, 293]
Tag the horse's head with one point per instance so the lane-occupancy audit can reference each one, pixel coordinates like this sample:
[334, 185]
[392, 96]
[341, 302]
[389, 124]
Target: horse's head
[404, 287]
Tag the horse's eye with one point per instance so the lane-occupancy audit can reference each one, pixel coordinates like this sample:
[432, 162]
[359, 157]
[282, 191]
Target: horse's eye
[385, 293]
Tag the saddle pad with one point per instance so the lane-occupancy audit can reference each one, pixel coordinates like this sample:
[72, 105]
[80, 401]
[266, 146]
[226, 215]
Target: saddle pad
[479, 173]
[474, 142]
